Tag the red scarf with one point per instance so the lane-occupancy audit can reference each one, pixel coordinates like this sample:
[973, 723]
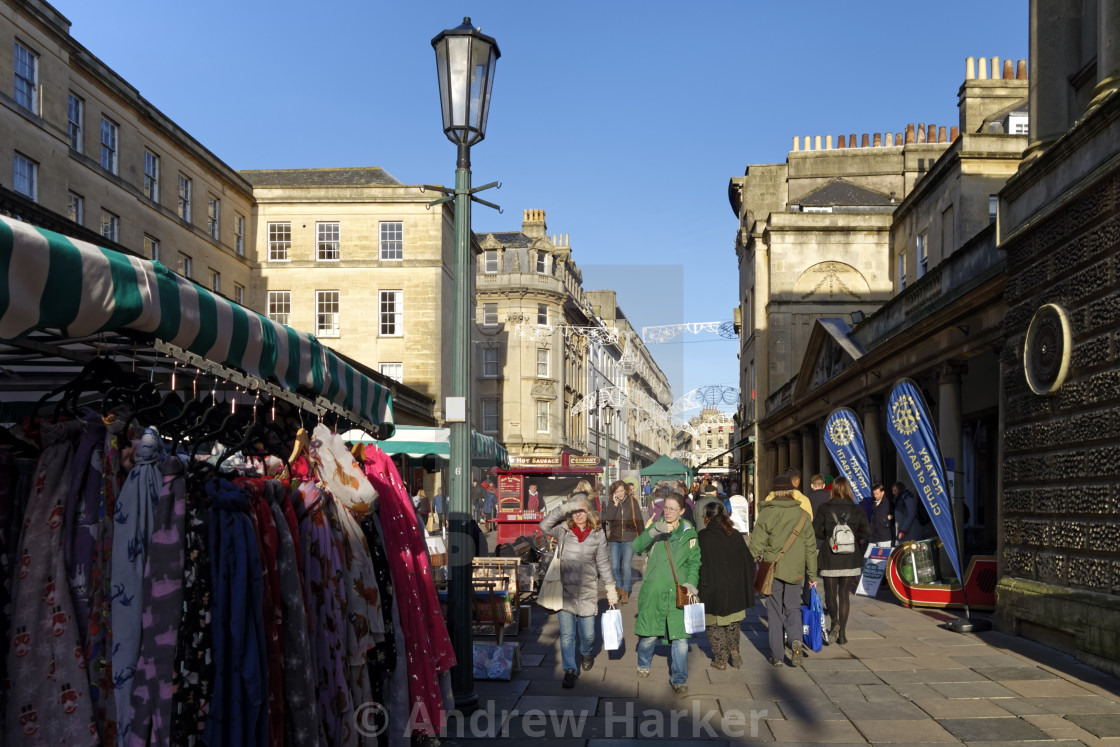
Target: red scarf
[581, 534]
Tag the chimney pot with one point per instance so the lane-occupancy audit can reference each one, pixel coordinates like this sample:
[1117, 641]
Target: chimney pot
[817, 142]
[995, 68]
[808, 142]
[920, 132]
[1008, 69]
[954, 131]
[983, 68]
[941, 134]
[889, 140]
[931, 135]
[796, 143]
[1021, 70]
[841, 141]
[828, 142]
[910, 134]
[970, 68]
[864, 141]
[852, 141]
[898, 138]
[877, 142]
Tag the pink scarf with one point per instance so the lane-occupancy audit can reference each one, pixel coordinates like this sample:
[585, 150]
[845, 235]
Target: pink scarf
[427, 642]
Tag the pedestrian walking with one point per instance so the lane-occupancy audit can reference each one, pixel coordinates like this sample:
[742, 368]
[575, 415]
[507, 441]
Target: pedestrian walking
[840, 524]
[908, 515]
[882, 517]
[478, 499]
[624, 521]
[583, 562]
[674, 557]
[783, 535]
[726, 584]
[439, 508]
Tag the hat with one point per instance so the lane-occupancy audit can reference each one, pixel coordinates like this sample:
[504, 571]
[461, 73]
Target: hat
[782, 482]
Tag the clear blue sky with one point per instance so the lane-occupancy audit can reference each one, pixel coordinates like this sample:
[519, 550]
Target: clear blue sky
[623, 120]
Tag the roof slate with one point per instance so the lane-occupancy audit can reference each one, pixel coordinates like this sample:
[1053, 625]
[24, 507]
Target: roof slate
[366, 176]
[839, 192]
[512, 239]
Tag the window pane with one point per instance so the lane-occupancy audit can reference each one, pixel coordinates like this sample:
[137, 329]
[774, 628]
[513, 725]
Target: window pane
[326, 313]
[151, 176]
[489, 313]
[213, 216]
[542, 362]
[27, 78]
[151, 247]
[279, 306]
[110, 225]
[239, 293]
[542, 262]
[327, 241]
[279, 241]
[490, 412]
[542, 315]
[75, 208]
[391, 313]
[490, 362]
[108, 146]
[184, 197]
[239, 235]
[542, 416]
[74, 122]
[186, 266]
[25, 176]
[491, 262]
[394, 371]
[392, 240]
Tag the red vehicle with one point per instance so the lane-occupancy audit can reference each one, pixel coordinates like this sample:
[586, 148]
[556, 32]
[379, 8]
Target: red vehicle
[554, 478]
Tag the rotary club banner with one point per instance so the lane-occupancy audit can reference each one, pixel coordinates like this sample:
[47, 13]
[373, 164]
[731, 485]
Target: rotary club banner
[912, 431]
[843, 438]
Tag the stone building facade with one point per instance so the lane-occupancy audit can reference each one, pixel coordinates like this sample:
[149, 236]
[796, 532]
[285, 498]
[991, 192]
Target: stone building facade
[546, 351]
[1059, 227]
[362, 262]
[82, 143]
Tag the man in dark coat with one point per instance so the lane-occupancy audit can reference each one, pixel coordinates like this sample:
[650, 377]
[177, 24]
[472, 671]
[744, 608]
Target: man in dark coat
[882, 517]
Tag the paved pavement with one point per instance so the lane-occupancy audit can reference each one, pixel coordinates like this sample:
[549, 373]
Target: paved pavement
[900, 679]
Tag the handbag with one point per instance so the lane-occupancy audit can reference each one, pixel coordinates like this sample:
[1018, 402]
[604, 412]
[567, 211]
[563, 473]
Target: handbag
[811, 622]
[431, 525]
[682, 593]
[764, 577]
[551, 595]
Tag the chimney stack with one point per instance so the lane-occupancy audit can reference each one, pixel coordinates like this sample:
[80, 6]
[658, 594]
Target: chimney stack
[533, 225]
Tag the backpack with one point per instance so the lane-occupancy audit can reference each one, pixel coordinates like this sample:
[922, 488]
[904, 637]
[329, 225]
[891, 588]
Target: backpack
[843, 541]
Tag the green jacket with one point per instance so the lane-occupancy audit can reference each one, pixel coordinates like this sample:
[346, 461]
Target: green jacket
[776, 521]
[657, 599]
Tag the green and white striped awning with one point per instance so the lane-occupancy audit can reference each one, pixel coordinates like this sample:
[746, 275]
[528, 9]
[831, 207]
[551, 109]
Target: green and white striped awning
[50, 281]
[418, 441]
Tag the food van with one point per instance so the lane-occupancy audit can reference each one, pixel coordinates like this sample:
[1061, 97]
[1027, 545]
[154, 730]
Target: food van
[554, 477]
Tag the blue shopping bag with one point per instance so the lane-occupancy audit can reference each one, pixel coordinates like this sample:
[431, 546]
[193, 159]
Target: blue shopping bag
[811, 621]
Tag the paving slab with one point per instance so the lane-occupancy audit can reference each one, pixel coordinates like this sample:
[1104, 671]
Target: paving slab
[930, 676]
[830, 677]
[903, 732]
[881, 694]
[985, 689]
[1045, 688]
[1098, 724]
[816, 710]
[1075, 705]
[865, 711]
[815, 732]
[945, 708]
[916, 691]
[1057, 727]
[838, 664]
[992, 729]
[1000, 674]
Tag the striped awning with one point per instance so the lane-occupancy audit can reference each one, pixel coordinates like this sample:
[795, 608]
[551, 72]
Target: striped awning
[50, 281]
[418, 441]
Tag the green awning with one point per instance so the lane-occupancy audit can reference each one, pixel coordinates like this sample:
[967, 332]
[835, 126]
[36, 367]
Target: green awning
[418, 441]
[50, 281]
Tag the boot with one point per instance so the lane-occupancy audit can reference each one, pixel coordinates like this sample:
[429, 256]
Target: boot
[795, 659]
[840, 637]
[623, 596]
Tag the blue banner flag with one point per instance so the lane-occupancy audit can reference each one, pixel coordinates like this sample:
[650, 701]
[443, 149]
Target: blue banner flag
[843, 437]
[912, 431]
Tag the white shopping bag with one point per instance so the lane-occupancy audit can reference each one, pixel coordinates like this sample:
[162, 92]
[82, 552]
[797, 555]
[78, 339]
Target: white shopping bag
[694, 617]
[612, 629]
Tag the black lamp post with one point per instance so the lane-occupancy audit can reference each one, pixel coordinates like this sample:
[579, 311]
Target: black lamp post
[465, 62]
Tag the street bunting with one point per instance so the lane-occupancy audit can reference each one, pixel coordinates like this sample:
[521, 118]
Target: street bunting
[911, 429]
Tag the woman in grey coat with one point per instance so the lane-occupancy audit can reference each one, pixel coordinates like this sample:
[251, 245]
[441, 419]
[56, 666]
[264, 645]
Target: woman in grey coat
[583, 561]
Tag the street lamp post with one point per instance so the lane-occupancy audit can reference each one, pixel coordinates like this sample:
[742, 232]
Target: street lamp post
[465, 63]
[608, 416]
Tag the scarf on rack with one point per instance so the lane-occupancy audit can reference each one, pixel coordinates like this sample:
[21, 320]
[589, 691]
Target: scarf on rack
[301, 719]
[192, 680]
[322, 575]
[150, 708]
[428, 646]
[47, 660]
[239, 708]
[133, 522]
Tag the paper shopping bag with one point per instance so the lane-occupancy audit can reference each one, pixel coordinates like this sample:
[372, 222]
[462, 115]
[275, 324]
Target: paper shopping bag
[612, 630]
[694, 618]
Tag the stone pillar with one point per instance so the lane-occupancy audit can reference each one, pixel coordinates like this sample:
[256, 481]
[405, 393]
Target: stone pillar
[872, 439]
[808, 456]
[1055, 44]
[795, 451]
[949, 417]
[783, 455]
[765, 470]
[1108, 48]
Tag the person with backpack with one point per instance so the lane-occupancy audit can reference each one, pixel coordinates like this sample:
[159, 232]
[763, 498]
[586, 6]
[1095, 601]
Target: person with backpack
[840, 525]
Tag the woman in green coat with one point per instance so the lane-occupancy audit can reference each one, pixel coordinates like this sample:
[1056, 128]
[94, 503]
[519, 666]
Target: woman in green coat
[658, 616]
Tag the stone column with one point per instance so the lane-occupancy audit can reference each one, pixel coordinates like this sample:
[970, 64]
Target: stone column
[872, 439]
[765, 470]
[1108, 48]
[1055, 44]
[783, 455]
[808, 455]
[795, 451]
[824, 463]
[949, 417]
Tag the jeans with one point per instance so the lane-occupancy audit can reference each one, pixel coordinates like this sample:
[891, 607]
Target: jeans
[622, 561]
[678, 658]
[568, 625]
